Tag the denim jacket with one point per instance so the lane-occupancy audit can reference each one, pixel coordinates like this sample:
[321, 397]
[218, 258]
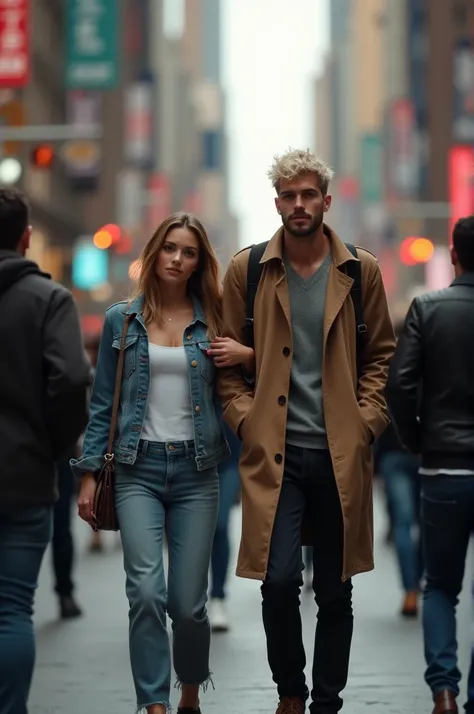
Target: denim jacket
[210, 442]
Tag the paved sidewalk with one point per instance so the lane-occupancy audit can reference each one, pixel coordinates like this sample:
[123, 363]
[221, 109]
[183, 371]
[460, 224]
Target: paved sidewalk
[83, 666]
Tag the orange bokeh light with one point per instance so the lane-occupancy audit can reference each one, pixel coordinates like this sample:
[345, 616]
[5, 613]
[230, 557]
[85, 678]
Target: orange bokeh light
[103, 239]
[414, 250]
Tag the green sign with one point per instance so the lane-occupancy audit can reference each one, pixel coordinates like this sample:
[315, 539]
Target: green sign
[371, 168]
[93, 32]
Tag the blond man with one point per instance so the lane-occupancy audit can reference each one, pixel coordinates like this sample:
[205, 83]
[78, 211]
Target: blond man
[307, 423]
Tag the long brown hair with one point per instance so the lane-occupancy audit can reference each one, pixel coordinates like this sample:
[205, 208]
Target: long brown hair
[204, 283]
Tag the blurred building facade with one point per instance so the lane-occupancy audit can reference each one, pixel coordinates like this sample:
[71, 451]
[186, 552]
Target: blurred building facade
[150, 74]
[397, 89]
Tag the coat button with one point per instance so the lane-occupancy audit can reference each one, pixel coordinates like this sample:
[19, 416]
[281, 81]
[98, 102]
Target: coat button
[286, 351]
[281, 400]
[197, 408]
[278, 458]
[194, 363]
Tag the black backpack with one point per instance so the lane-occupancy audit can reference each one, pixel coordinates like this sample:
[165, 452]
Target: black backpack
[254, 271]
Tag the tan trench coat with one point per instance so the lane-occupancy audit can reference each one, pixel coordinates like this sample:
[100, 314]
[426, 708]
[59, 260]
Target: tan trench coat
[353, 418]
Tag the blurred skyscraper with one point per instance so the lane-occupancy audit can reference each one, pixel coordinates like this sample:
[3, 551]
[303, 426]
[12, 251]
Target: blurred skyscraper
[395, 116]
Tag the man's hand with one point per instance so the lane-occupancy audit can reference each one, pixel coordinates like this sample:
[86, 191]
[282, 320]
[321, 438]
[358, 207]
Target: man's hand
[227, 352]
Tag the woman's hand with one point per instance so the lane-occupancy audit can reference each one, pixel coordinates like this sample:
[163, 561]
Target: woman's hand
[85, 499]
[227, 352]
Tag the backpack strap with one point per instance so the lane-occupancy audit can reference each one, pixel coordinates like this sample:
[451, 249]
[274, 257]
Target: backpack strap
[254, 271]
[354, 271]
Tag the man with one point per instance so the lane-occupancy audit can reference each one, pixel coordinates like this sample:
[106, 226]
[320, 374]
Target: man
[43, 410]
[431, 398]
[306, 427]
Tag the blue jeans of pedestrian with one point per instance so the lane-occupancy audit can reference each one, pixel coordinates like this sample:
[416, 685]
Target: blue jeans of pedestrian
[24, 537]
[399, 471]
[164, 493]
[447, 519]
[229, 483]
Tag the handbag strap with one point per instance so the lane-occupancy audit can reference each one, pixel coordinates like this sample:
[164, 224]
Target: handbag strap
[118, 384]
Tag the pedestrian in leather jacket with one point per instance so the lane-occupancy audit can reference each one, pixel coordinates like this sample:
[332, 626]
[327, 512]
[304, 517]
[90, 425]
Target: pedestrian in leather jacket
[430, 394]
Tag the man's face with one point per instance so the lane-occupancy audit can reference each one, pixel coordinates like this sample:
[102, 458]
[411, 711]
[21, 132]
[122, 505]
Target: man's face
[301, 205]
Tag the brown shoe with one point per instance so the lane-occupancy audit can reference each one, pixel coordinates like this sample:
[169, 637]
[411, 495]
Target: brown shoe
[445, 703]
[290, 705]
[410, 604]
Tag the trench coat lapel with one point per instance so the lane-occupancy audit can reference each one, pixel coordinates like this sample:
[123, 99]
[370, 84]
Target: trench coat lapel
[338, 288]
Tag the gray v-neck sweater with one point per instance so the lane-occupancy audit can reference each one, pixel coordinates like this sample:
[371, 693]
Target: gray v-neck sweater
[305, 423]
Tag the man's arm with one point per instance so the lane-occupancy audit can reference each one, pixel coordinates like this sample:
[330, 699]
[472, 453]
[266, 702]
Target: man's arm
[404, 381]
[376, 355]
[68, 373]
[234, 390]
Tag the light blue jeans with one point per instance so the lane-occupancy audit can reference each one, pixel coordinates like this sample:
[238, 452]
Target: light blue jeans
[164, 492]
[24, 537]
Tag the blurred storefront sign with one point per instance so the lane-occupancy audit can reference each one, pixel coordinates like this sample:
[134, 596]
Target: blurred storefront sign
[371, 190]
[403, 150]
[92, 50]
[345, 213]
[439, 270]
[461, 183]
[83, 158]
[90, 266]
[131, 193]
[371, 168]
[12, 113]
[14, 43]
[463, 94]
[139, 135]
[159, 200]
[212, 150]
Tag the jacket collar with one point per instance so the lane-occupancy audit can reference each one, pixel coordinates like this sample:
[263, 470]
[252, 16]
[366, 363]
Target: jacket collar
[464, 279]
[340, 254]
[136, 308]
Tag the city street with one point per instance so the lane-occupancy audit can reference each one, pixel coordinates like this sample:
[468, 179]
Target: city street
[83, 665]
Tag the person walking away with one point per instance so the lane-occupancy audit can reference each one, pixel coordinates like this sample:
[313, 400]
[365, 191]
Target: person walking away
[63, 541]
[430, 393]
[399, 471]
[43, 409]
[168, 445]
[229, 485]
[307, 426]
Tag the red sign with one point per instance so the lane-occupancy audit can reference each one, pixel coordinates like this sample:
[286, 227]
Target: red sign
[14, 43]
[159, 200]
[461, 177]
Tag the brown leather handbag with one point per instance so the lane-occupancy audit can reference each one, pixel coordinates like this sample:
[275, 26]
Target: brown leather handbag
[105, 515]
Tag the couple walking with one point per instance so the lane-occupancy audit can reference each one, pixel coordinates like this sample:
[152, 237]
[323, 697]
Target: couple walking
[305, 395]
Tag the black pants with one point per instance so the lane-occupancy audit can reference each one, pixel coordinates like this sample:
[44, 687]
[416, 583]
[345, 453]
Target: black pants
[63, 547]
[308, 484]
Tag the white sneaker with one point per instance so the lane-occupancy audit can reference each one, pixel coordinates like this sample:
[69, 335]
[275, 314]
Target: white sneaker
[218, 616]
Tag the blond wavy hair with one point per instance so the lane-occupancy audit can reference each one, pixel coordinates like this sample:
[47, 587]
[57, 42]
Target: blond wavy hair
[204, 284]
[296, 162]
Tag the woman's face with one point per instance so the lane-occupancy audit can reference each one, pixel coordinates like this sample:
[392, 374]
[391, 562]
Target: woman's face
[178, 257]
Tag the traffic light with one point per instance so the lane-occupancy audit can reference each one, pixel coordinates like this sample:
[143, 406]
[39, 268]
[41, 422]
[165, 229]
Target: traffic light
[416, 250]
[42, 156]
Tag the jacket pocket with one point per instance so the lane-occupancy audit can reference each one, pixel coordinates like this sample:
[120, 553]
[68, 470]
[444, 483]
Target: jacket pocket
[207, 366]
[130, 358]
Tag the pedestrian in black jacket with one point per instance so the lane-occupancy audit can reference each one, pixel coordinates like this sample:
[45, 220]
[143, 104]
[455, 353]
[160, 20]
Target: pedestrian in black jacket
[431, 399]
[43, 410]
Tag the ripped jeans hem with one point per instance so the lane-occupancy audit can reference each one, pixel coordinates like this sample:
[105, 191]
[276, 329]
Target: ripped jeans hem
[203, 685]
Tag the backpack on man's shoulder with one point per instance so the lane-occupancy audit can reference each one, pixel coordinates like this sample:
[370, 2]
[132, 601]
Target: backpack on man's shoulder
[254, 272]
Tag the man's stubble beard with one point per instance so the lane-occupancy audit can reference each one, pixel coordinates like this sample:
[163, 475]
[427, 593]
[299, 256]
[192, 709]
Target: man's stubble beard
[303, 232]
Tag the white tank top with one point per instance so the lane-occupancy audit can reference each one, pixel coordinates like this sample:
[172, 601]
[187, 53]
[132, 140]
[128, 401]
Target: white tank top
[168, 414]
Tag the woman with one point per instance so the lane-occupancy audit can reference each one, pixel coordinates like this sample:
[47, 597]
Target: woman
[169, 442]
